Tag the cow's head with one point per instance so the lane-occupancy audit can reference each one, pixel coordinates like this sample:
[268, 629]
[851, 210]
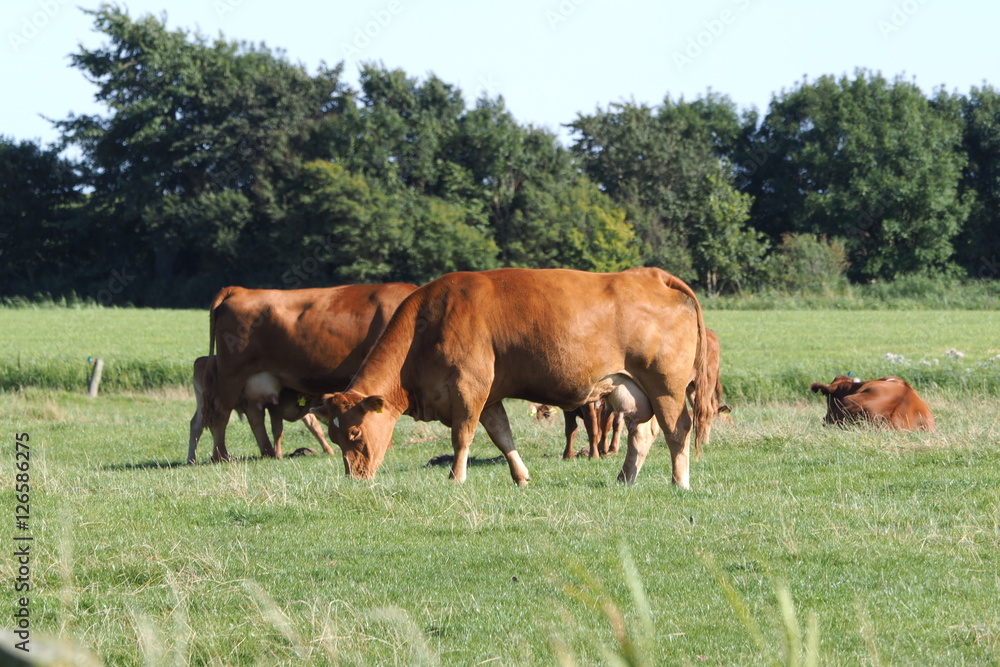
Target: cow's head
[841, 387]
[362, 428]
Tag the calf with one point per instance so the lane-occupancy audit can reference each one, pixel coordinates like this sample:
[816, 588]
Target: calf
[261, 392]
[604, 424]
[592, 416]
[888, 401]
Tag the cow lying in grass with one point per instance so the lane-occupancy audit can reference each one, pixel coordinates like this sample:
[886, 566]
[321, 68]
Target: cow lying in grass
[888, 401]
[261, 392]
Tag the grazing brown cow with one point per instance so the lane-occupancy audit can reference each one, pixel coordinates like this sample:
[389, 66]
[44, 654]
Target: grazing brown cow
[888, 401]
[311, 341]
[460, 344]
[261, 392]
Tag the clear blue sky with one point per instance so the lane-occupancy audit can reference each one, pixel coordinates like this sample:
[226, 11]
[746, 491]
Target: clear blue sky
[550, 59]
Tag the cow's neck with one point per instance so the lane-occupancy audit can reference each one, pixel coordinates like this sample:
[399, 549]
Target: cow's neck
[380, 373]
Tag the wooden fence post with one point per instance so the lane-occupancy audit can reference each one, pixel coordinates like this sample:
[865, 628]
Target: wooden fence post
[95, 377]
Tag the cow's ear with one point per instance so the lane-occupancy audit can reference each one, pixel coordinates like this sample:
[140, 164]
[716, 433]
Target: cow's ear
[819, 386]
[322, 411]
[373, 404]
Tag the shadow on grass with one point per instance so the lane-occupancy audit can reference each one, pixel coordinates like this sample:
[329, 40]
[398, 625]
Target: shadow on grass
[153, 465]
[166, 465]
[448, 459]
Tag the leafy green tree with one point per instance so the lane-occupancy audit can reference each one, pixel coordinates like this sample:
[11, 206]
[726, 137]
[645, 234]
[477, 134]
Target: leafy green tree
[662, 167]
[978, 247]
[442, 236]
[501, 158]
[397, 127]
[868, 160]
[728, 255]
[574, 227]
[346, 228]
[189, 165]
[808, 263]
[40, 202]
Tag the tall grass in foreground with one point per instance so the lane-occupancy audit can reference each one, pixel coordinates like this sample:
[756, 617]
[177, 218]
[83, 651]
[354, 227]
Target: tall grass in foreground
[888, 540]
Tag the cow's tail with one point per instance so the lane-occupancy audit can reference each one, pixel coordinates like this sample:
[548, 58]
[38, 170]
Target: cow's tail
[703, 386]
[219, 299]
[211, 367]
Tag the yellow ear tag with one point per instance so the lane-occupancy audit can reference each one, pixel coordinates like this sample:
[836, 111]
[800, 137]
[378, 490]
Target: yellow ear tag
[379, 410]
[302, 401]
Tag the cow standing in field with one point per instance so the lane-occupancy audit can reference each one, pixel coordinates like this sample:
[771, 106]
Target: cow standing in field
[261, 393]
[888, 401]
[310, 341]
[460, 344]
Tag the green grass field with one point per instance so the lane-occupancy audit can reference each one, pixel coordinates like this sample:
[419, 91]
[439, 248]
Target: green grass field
[795, 542]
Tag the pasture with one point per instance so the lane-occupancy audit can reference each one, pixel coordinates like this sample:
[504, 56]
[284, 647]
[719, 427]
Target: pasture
[796, 541]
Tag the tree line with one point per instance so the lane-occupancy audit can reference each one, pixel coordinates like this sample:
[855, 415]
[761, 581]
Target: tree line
[221, 162]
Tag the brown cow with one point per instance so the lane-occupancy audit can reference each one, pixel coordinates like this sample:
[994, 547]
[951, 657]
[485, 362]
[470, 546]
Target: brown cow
[460, 344]
[311, 340]
[261, 392]
[888, 401]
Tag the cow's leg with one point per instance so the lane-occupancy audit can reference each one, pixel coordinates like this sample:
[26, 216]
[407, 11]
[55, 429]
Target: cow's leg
[675, 420]
[462, 433]
[616, 432]
[571, 428]
[640, 439]
[607, 421]
[219, 399]
[255, 417]
[277, 429]
[592, 424]
[197, 426]
[316, 428]
[218, 425]
[494, 420]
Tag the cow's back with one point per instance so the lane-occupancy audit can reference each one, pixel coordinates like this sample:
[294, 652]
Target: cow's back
[313, 340]
[549, 334]
[891, 400]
